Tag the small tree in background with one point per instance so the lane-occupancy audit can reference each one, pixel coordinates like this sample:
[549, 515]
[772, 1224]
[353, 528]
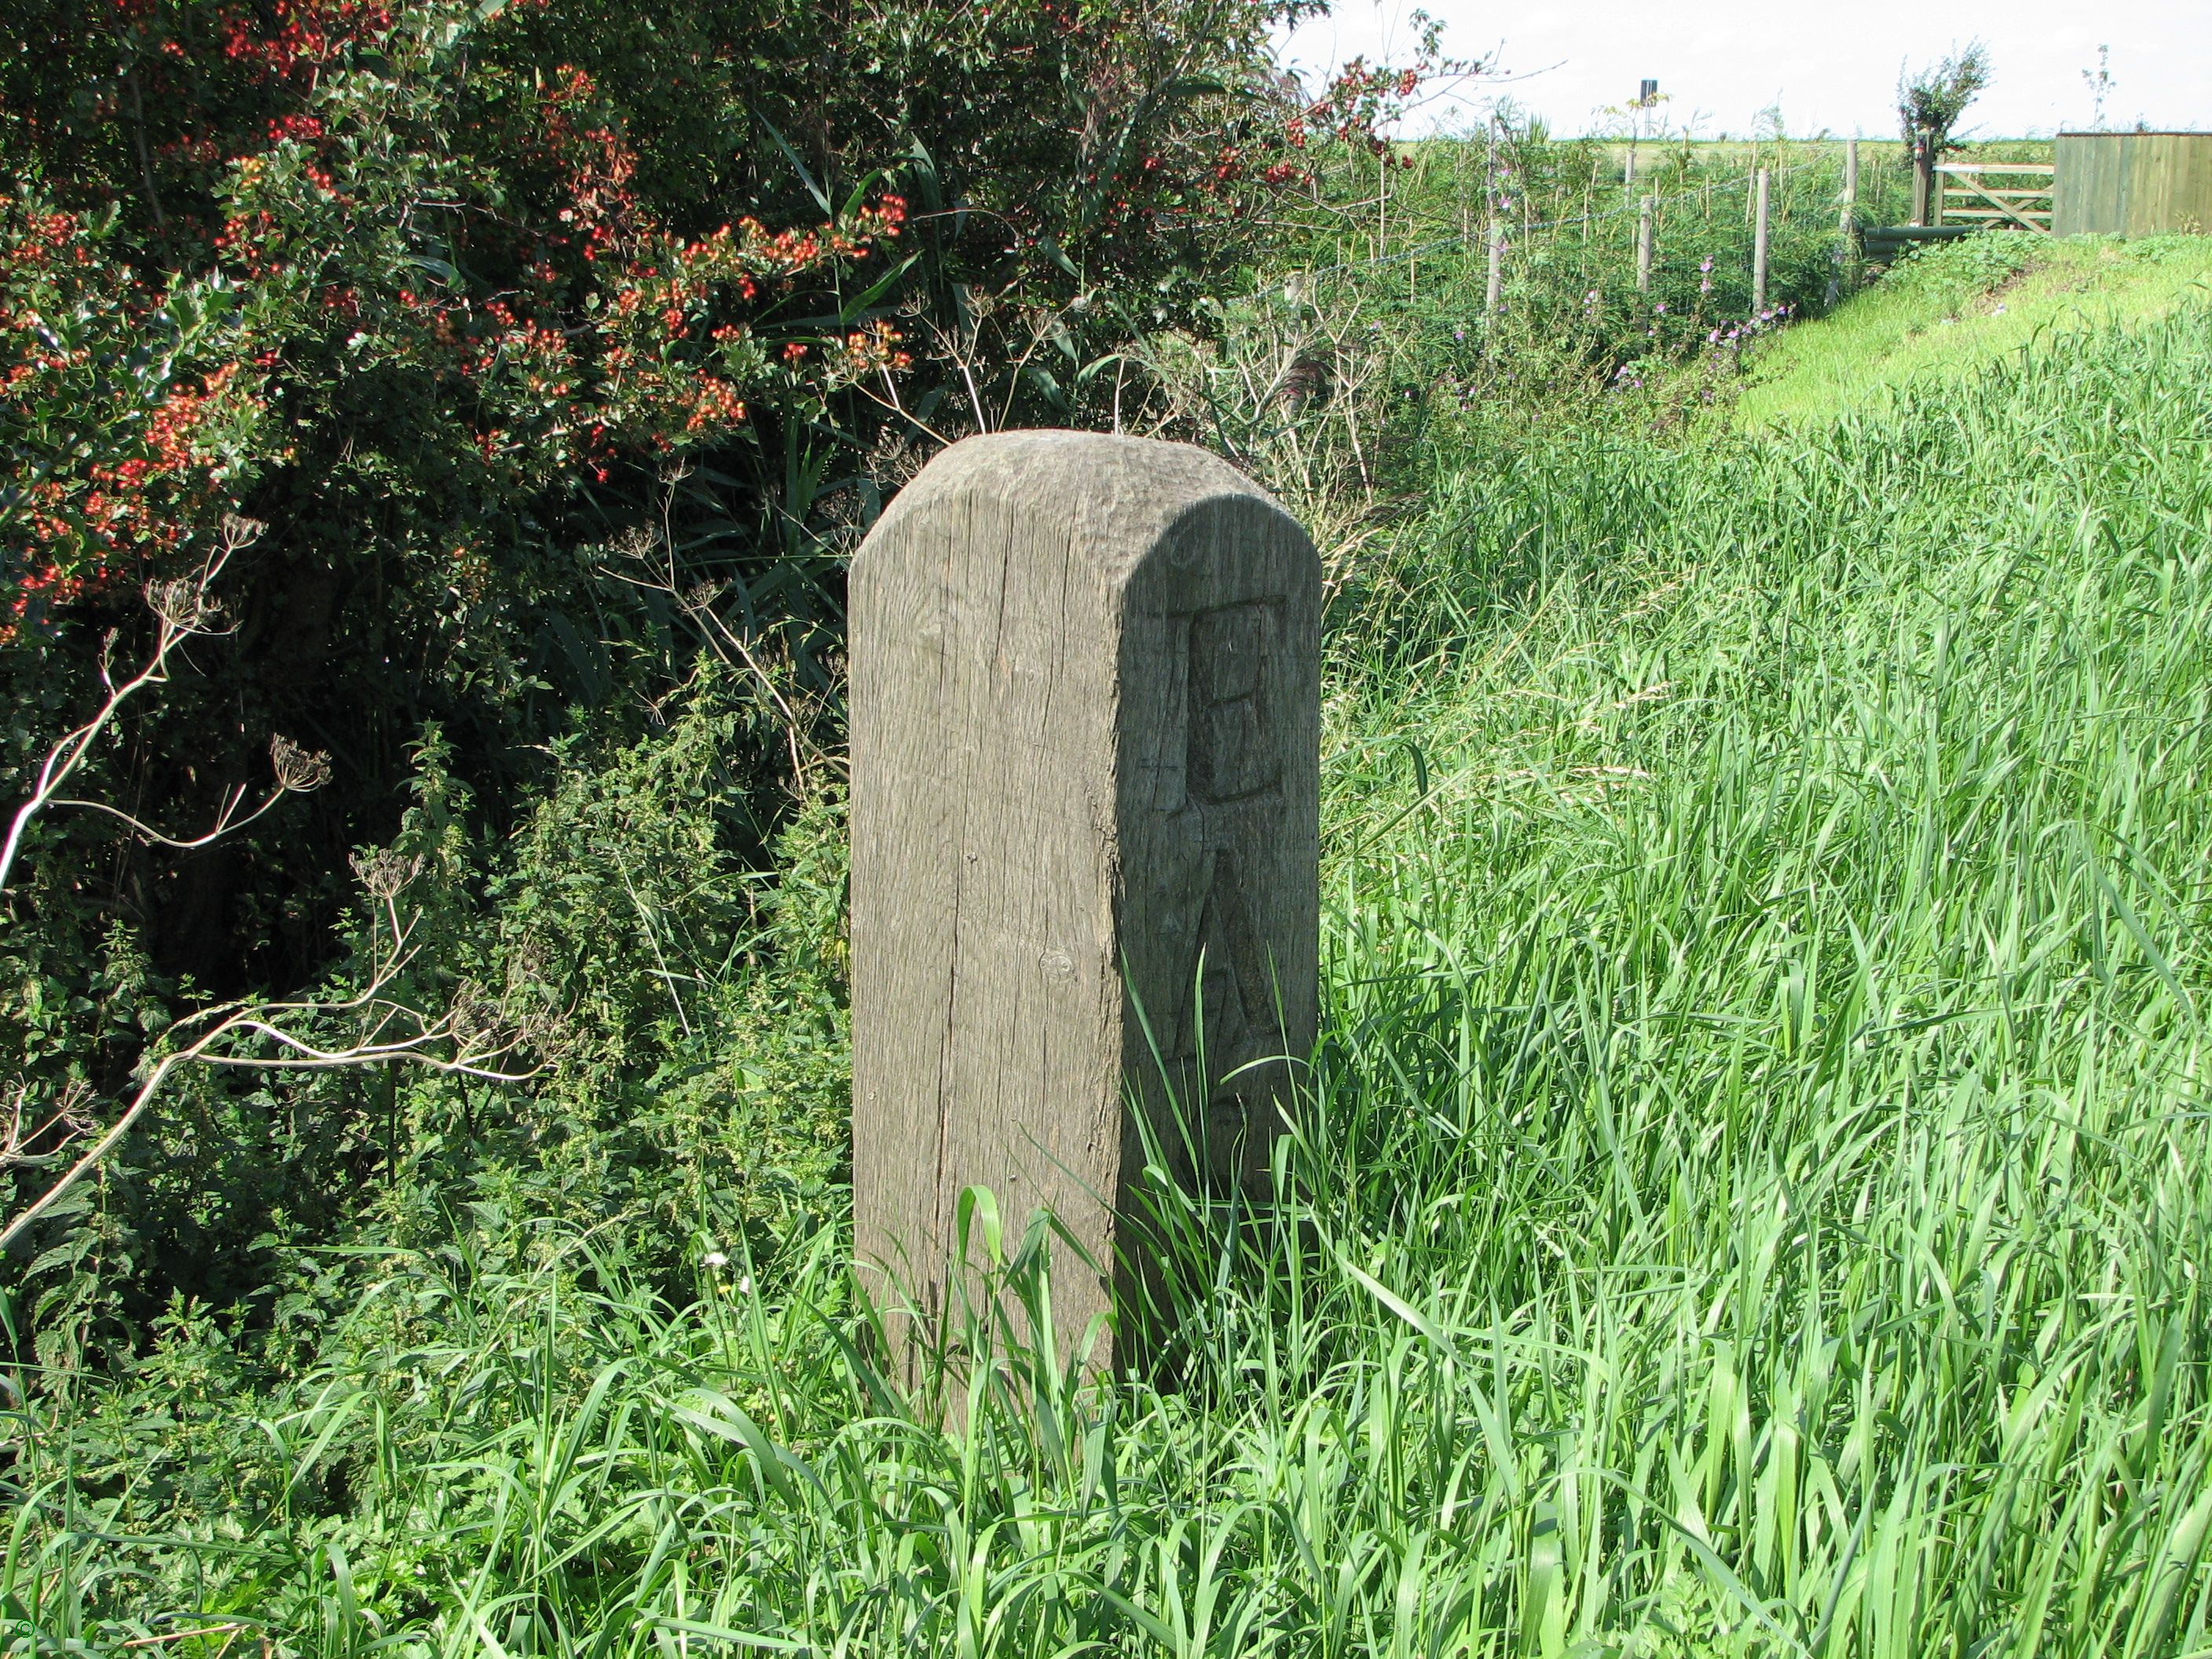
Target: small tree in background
[1930, 104]
[2099, 82]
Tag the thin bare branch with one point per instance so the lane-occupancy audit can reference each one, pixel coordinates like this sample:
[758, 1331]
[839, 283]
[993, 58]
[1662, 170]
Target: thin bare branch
[183, 608]
[257, 1022]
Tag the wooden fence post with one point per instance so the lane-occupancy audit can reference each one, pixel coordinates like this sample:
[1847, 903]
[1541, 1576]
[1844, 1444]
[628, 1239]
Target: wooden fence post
[1846, 224]
[1493, 290]
[1086, 729]
[1758, 248]
[1382, 204]
[1466, 213]
[1643, 245]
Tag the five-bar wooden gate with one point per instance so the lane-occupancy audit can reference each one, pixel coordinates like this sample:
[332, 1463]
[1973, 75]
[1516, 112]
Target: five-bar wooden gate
[1995, 193]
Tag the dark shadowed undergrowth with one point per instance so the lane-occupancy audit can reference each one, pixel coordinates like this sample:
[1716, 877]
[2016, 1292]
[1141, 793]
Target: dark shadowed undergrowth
[1754, 1196]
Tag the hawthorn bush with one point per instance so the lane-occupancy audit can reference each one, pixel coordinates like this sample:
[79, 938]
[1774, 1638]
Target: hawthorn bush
[535, 333]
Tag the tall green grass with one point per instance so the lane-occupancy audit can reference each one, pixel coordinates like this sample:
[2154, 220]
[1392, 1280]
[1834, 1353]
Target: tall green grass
[1755, 1197]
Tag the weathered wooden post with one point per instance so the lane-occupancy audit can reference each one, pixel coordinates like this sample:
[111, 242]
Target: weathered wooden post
[1493, 287]
[1758, 248]
[1085, 730]
[1643, 245]
[1847, 208]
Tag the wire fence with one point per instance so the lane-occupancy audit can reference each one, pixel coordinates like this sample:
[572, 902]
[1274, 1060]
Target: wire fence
[1521, 230]
[1550, 223]
[1504, 282]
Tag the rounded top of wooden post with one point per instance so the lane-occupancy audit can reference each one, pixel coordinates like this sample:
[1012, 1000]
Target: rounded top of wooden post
[1119, 496]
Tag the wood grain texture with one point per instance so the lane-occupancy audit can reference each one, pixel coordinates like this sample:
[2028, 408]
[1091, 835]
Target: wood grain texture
[1086, 726]
[2132, 184]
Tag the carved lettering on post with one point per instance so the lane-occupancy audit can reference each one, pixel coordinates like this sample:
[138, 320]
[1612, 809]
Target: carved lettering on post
[1086, 728]
[1230, 755]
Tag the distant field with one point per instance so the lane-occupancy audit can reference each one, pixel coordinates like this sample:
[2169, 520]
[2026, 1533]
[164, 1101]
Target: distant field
[1715, 152]
[1872, 151]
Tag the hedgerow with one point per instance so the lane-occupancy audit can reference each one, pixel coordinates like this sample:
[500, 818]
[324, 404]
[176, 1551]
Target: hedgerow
[539, 361]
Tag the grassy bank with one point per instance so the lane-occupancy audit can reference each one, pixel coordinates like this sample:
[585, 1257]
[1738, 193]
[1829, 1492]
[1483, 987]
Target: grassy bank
[1757, 1186]
[1958, 308]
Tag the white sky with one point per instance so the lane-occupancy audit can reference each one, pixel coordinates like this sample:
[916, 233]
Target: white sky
[1833, 66]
